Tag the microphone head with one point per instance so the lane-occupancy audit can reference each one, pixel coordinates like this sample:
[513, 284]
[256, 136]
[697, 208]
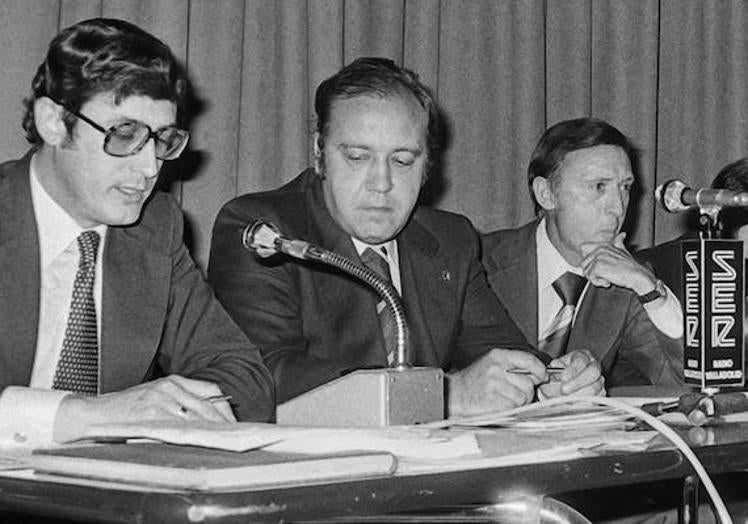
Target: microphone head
[670, 195]
[260, 236]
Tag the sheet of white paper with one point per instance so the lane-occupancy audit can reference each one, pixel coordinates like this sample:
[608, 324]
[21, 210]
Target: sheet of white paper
[400, 440]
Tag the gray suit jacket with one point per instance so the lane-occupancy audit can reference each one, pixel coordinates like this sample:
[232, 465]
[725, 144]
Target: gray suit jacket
[314, 323]
[158, 315]
[610, 322]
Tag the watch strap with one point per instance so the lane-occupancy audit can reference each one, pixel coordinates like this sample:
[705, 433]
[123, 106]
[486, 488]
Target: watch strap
[657, 292]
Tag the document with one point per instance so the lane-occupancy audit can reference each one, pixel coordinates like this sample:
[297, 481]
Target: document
[201, 469]
[402, 441]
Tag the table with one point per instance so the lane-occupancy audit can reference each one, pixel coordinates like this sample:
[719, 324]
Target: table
[722, 449]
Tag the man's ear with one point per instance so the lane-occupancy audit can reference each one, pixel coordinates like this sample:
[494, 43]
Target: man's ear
[49, 122]
[541, 188]
[317, 154]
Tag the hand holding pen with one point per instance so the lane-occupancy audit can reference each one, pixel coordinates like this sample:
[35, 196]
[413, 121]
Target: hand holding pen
[577, 372]
[580, 374]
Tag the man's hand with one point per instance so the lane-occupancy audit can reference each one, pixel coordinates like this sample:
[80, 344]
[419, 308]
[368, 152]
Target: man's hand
[606, 264]
[581, 376]
[487, 385]
[172, 397]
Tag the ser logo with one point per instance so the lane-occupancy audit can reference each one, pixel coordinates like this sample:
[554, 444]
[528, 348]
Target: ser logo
[722, 290]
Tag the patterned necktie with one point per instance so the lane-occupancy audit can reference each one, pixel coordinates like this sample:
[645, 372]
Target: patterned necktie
[568, 286]
[78, 367]
[379, 265]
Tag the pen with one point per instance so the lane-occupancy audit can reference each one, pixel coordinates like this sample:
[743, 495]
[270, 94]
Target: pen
[550, 369]
[216, 398]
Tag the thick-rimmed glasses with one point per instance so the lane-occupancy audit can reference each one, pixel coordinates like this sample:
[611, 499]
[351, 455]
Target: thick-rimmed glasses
[128, 138]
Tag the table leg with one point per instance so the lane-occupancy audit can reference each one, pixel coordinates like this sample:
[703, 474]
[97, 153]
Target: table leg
[689, 513]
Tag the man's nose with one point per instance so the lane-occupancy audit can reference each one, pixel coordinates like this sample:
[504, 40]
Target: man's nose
[617, 202]
[379, 177]
[147, 163]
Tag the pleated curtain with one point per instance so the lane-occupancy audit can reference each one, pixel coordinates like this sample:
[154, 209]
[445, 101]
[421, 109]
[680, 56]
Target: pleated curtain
[671, 74]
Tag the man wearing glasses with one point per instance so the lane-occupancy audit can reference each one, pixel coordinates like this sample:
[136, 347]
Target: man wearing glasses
[103, 315]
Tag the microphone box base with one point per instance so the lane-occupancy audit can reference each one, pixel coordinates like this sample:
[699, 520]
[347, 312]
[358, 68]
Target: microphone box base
[370, 397]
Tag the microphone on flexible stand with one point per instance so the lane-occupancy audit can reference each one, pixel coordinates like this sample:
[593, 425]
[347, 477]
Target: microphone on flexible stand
[402, 394]
[712, 284]
[264, 238]
[675, 196]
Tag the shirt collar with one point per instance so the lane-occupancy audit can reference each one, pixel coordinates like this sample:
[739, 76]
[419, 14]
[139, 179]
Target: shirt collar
[55, 227]
[387, 250]
[551, 264]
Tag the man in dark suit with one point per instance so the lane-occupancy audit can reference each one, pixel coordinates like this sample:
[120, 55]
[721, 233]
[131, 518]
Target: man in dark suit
[580, 176]
[375, 138]
[143, 335]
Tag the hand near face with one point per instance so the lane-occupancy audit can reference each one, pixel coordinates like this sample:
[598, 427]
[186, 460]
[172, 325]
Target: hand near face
[606, 264]
[581, 376]
[487, 385]
[172, 397]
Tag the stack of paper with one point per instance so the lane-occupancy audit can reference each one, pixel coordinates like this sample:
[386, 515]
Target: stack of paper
[402, 441]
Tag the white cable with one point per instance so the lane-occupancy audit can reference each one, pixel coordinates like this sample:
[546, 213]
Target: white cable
[664, 429]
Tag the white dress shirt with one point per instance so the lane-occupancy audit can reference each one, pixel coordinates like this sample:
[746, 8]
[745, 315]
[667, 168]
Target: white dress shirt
[666, 317]
[27, 413]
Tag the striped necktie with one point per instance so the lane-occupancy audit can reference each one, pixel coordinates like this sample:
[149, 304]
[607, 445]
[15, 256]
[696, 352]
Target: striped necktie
[569, 287]
[379, 265]
[78, 367]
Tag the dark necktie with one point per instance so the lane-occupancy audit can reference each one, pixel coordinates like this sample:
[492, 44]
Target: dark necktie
[78, 367]
[568, 286]
[379, 265]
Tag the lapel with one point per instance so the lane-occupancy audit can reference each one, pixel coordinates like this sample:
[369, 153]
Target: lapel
[515, 280]
[135, 298]
[426, 290]
[19, 283]
[339, 291]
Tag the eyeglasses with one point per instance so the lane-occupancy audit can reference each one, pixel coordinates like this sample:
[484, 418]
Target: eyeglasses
[128, 138]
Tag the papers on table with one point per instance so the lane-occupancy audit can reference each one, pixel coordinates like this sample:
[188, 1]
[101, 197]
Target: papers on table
[402, 441]
[528, 434]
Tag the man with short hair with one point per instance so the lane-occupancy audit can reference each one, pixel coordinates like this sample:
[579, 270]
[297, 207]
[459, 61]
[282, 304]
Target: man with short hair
[103, 315]
[376, 136]
[580, 176]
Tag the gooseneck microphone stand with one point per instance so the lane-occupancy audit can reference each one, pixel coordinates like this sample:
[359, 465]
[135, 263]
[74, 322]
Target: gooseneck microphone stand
[400, 394]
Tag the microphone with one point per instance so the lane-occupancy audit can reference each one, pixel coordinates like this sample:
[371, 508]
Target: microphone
[396, 395]
[676, 196]
[264, 238]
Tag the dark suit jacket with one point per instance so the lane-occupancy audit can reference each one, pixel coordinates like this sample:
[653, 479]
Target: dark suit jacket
[314, 323]
[610, 322]
[158, 314]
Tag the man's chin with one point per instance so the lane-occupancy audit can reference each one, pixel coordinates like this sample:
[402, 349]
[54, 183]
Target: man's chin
[376, 237]
[124, 219]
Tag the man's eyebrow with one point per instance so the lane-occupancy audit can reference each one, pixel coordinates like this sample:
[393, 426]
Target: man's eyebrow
[417, 151]
[345, 145]
[597, 175]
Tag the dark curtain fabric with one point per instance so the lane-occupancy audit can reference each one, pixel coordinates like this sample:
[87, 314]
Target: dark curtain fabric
[671, 74]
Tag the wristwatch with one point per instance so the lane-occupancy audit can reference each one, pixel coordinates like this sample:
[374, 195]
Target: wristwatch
[657, 292]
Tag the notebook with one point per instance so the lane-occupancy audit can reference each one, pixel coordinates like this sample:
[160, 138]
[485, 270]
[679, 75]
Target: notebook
[202, 469]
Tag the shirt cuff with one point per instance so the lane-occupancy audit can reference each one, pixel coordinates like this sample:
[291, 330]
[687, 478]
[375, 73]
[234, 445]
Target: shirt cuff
[27, 416]
[667, 316]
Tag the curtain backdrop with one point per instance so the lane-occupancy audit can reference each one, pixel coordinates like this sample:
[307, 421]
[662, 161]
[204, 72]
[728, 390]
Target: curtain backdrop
[671, 74]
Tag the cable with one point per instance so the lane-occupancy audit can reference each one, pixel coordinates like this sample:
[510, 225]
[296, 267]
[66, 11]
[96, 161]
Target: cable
[719, 505]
